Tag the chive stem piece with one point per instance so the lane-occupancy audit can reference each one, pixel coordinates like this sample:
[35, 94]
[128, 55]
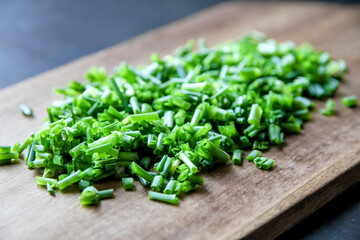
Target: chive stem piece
[255, 115]
[72, 178]
[167, 198]
[128, 183]
[350, 101]
[237, 157]
[140, 172]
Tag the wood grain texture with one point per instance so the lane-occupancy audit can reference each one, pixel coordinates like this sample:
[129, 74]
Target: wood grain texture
[235, 202]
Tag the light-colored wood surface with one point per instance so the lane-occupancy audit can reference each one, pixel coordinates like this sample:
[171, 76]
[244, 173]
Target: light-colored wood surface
[235, 202]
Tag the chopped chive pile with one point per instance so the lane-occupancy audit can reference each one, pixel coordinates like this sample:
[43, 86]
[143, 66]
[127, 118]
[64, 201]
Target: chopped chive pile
[166, 123]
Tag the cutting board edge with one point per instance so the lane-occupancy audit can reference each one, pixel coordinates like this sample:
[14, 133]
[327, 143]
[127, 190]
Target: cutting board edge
[311, 196]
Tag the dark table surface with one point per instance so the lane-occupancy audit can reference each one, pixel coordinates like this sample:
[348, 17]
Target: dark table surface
[36, 36]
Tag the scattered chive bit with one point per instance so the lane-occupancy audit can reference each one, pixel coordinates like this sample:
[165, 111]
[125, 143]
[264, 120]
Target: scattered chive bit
[5, 149]
[264, 163]
[8, 154]
[50, 189]
[329, 108]
[128, 183]
[107, 193]
[165, 123]
[43, 181]
[26, 110]
[91, 196]
[49, 183]
[162, 197]
[350, 101]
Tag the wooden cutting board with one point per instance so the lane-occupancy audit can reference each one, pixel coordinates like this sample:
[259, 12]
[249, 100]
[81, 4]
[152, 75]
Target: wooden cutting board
[235, 202]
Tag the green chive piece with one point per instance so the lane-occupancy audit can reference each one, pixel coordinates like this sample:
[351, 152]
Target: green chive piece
[140, 172]
[215, 151]
[119, 93]
[128, 183]
[196, 118]
[188, 162]
[142, 117]
[5, 149]
[158, 183]
[264, 163]
[146, 108]
[194, 179]
[167, 198]
[170, 187]
[72, 178]
[275, 134]
[5, 158]
[134, 105]
[167, 166]
[254, 154]
[43, 181]
[89, 196]
[50, 189]
[23, 146]
[350, 101]
[329, 109]
[169, 119]
[255, 115]
[291, 127]
[108, 193]
[237, 157]
[15, 147]
[144, 182]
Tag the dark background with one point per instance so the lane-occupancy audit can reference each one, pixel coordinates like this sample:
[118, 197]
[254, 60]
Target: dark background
[36, 36]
